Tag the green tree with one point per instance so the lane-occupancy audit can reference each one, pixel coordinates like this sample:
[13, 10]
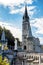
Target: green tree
[9, 36]
[4, 62]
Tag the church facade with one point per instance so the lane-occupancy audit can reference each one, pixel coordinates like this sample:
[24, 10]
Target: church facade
[29, 43]
[31, 51]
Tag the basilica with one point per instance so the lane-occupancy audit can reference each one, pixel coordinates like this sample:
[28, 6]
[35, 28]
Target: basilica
[30, 52]
[29, 42]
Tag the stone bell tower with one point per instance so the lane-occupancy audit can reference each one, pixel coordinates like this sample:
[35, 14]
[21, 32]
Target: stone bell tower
[26, 30]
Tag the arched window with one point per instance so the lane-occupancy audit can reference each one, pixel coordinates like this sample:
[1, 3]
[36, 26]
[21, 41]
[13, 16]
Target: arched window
[24, 47]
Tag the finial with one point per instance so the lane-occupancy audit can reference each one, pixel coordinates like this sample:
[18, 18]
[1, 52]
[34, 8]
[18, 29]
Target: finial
[26, 12]
[25, 2]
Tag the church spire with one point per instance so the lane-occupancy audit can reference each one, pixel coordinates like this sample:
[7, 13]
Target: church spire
[26, 23]
[25, 13]
[26, 30]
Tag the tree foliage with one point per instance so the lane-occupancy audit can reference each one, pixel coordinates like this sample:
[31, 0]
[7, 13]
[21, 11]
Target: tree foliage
[9, 36]
[4, 62]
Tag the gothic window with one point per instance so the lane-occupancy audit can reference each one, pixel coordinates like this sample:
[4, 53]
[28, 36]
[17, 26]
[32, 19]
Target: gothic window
[24, 47]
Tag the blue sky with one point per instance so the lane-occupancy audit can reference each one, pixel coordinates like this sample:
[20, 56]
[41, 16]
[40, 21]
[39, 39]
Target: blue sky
[11, 13]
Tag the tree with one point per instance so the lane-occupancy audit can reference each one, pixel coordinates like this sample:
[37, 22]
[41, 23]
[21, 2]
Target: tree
[9, 36]
[0, 31]
[4, 62]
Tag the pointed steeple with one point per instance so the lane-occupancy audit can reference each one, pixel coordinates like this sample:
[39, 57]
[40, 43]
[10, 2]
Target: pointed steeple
[26, 13]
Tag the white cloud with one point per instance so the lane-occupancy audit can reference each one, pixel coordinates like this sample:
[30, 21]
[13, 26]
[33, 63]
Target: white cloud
[14, 30]
[14, 2]
[11, 2]
[29, 1]
[38, 23]
[30, 9]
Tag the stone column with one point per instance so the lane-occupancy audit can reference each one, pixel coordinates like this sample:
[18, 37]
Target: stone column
[15, 45]
[24, 62]
[39, 58]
